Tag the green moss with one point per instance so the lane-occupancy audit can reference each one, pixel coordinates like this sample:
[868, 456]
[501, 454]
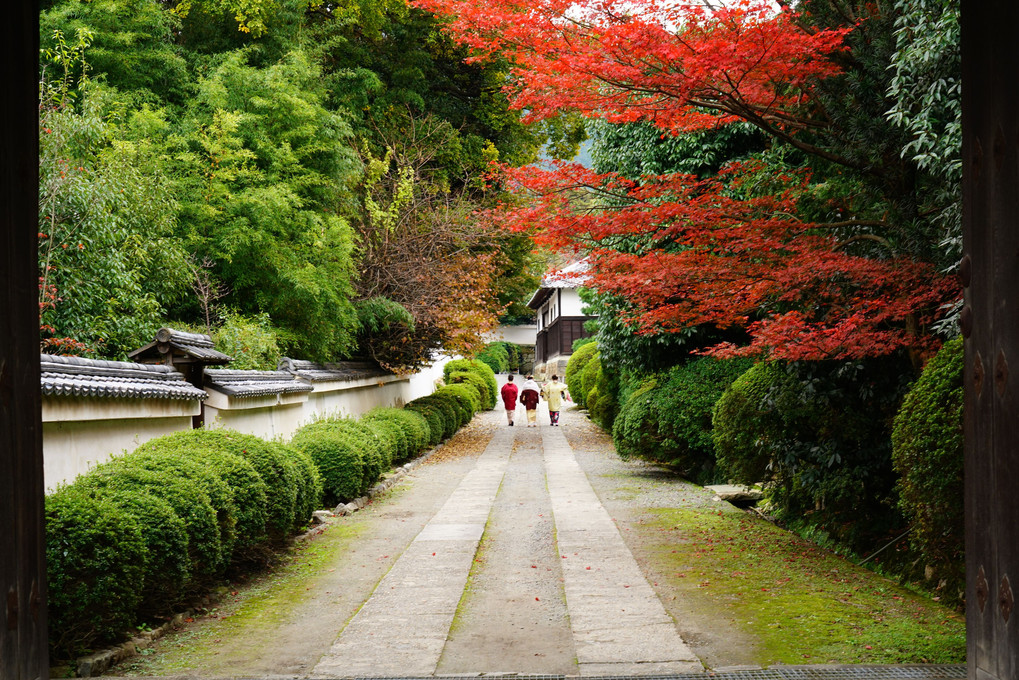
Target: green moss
[803, 604]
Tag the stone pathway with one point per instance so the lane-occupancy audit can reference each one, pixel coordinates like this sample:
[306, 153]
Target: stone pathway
[618, 625]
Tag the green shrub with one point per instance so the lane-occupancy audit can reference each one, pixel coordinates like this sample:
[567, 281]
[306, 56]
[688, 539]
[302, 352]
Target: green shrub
[149, 456]
[95, 557]
[743, 428]
[448, 417]
[395, 434]
[309, 484]
[414, 426]
[574, 368]
[280, 474]
[821, 430]
[433, 416]
[337, 456]
[927, 452]
[477, 381]
[668, 419]
[495, 356]
[466, 398]
[250, 341]
[479, 367]
[190, 503]
[214, 450]
[589, 376]
[387, 439]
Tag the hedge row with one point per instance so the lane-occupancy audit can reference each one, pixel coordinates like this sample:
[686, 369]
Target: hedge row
[351, 455]
[141, 534]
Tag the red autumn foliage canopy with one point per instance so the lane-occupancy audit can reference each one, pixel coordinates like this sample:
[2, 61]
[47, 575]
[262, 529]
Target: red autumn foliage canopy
[682, 250]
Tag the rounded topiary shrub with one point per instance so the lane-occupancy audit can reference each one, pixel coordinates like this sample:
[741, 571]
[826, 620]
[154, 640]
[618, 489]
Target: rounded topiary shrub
[574, 368]
[393, 433]
[433, 416]
[743, 429]
[927, 452]
[95, 556]
[202, 476]
[414, 426]
[474, 380]
[216, 450]
[668, 419]
[447, 413]
[309, 484]
[167, 564]
[589, 377]
[475, 366]
[189, 502]
[337, 456]
[466, 398]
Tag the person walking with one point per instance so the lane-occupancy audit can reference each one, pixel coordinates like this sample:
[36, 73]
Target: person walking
[509, 398]
[529, 398]
[554, 393]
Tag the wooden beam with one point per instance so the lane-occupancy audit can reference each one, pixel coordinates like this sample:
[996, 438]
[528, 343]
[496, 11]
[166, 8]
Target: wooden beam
[990, 321]
[23, 647]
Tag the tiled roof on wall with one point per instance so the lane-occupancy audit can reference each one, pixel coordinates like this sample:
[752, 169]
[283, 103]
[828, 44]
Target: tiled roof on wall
[341, 370]
[79, 377]
[194, 345]
[236, 383]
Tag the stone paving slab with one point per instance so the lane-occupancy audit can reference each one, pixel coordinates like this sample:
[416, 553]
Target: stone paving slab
[606, 593]
[403, 627]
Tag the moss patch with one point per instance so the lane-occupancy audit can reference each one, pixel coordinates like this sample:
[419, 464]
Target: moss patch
[803, 603]
[249, 610]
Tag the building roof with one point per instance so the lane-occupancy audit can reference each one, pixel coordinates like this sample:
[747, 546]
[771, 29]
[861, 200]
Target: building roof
[341, 370]
[572, 276]
[75, 376]
[235, 383]
[193, 347]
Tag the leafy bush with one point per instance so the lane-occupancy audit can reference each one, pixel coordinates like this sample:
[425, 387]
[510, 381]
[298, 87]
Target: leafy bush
[337, 456]
[247, 490]
[589, 376]
[477, 381]
[190, 503]
[482, 369]
[433, 416]
[467, 398]
[149, 457]
[821, 431]
[393, 433]
[927, 452]
[95, 556]
[574, 368]
[250, 340]
[495, 356]
[414, 425]
[448, 418]
[309, 484]
[668, 418]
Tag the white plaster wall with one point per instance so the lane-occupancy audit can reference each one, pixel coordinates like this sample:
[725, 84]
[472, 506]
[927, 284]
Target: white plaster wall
[80, 432]
[571, 305]
[524, 334]
[73, 447]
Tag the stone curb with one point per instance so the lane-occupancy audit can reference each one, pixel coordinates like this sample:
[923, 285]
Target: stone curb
[98, 663]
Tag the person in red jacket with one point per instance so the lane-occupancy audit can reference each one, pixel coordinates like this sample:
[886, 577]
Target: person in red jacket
[529, 398]
[509, 399]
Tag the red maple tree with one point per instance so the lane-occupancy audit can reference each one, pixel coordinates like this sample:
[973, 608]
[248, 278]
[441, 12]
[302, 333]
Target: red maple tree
[682, 250]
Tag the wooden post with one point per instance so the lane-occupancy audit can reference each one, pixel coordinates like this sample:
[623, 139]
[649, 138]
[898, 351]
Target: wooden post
[990, 324]
[23, 647]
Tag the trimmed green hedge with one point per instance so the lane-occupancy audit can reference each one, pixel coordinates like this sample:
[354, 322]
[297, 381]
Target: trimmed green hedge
[927, 452]
[574, 369]
[475, 380]
[433, 416]
[339, 459]
[475, 366]
[96, 556]
[414, 426]
[668, 418]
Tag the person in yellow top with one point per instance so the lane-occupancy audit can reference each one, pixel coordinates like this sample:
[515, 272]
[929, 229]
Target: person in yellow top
[555, 393]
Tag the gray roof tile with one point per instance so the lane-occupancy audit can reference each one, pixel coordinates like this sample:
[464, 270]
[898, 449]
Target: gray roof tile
[79, 377]
[236, 383]
[341, 370]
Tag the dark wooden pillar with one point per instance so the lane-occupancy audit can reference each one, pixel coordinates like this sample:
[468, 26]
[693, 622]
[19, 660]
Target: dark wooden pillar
[990, 272]
[23, 653]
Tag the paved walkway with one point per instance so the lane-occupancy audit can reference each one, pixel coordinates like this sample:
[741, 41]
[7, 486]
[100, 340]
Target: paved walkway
[619, 627]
